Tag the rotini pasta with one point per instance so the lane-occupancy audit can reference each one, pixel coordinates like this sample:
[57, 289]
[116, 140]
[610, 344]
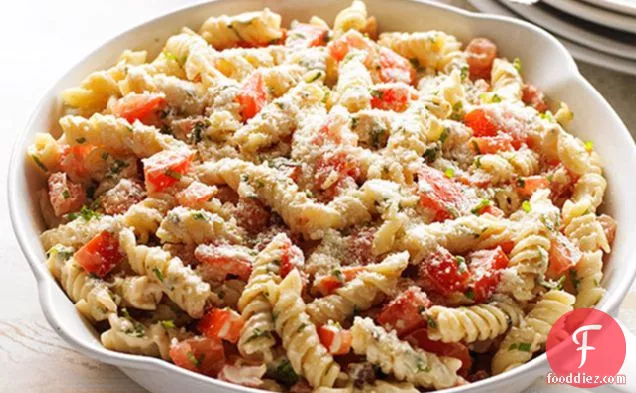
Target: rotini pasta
[321, 206]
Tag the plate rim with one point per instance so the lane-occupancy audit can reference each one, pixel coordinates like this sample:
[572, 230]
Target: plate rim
[595, 14]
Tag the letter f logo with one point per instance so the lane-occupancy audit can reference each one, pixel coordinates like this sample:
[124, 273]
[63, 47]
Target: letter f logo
[583, 346]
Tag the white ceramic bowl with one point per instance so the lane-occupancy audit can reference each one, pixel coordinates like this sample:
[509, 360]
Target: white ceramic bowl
[546, 64]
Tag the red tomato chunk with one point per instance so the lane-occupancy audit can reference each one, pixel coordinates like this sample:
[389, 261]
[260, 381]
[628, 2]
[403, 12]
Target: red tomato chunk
[404, 313]
[203, 355]
[195, 194]
[64, 195]
[140, 107]
[395, 68]
[439, 194]
[166, 168]
[223, 260]
[303, 35]
[100, 255]
[223, 324]
[486, 266]
[534, 97]
[526, 186]
[491, 144]
[336, 339]
[72, 161]
[443, 273]
[481, 55]
[480, 123]
[292, 257]
[562, 256]
[390, 97]
[252, 97]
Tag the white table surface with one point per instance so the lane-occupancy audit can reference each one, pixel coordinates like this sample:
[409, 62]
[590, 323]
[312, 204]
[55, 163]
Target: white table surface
[40, 40]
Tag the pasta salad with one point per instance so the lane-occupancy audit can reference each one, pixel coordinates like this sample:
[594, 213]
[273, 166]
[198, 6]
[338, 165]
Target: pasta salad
[322, 208]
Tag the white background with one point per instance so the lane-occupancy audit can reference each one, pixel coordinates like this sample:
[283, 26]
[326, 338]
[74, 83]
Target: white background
[40, 40]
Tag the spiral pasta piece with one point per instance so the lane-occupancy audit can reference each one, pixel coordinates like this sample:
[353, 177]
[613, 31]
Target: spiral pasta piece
[589, 272]
[377, 386]
[182, 285]
[191, 226]
[145, 217]
[354, 82]
[137, 291]
[521, 342]
[472, 323]
[257, 339]
[117, 135]
[433, 50]
[128, 336]
[78, 232]
[252, 28]
[353, 17]
[506, 81]
[361, 292]
[45, 152]
[306, 354]
[277, 191]
[421, 368]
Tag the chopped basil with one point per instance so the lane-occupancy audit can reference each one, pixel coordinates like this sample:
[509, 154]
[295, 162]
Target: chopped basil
[66, 194]
[482, 204]
[517, 64]
[475, 147]
[167, 324]
[173, 174]
[589, 146]
[39, 163]
[444, 135]
[449, 173]
[354, 122]
[193, 359]
[338, 274]
[464, 72]
[86, 213]
[431, 153]
[520, 182]
[526, 206]
[118, 165]
[524, 347]
[431, 322]
[470, 294]
[495, 98]
[376, 136]
[198, 216]
[284, 373]
[301, 327]
[158, 274]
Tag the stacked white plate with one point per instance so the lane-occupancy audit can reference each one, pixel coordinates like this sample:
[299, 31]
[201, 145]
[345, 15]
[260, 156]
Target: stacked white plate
[601, 32]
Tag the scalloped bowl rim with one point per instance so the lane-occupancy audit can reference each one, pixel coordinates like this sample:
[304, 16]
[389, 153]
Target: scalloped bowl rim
[46, 283]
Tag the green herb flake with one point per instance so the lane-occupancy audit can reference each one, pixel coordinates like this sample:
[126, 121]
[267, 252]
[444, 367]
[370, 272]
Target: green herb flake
[464, 72]
[158, 274]
[377, 93]
[524, 347]
[338, 274]
[575, 278]
[431, 322]
[198, 216]
[86, 213]
[376, 136]
[589, 146]
[470, 294]
[285, 374]
[173, 174]
[66, 194]
[193, 359]
[526, 206]
[39, 163]
[301, 327]
[475, 146]
[167, 324]
[517, 64]
[449, 173]
[444, 135]
[495, 98]
[521, 183]
[480, 206]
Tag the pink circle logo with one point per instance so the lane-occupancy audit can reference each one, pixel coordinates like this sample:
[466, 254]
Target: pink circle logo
[585, 347]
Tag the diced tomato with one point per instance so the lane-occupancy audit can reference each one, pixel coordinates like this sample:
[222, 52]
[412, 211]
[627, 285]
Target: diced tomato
[526, 186]
[291, 257]
[223, 324]
[166, 168]
[303, 35]
[336, 339]
[195, 194]
[490, 209]
[199, 354]
[534, 97]
[252, 214]
[609, 227]
[481, 54]
[339, 163]
[120, 198]
[64, 195]
[352, 39]
[327, 284]
[393, 97]
[562, 256]
[480, 123]
[443, 273]
[395, 68]
[507, 246]
[419, 339]
[222, 260]
[100, 255]
[439, 193]
[360, 245]
[140, 107]
[72, 161]
[491, 144]
[486, 266]
[404, 313]
[252, 97]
